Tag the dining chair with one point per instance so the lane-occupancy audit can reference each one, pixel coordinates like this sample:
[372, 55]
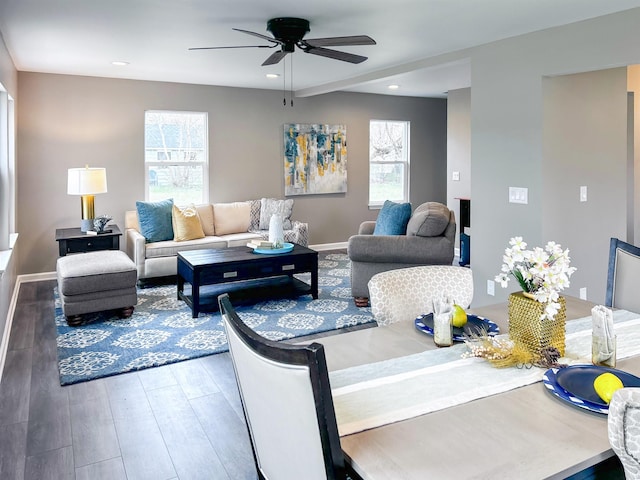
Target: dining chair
[622, 276]
[406, 293]
[287, 403]
[624, 430]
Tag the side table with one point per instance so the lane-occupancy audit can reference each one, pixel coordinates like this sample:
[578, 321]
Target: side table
[72, 240]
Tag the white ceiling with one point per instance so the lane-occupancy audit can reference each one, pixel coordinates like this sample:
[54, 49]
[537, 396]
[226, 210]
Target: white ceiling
[83, 37]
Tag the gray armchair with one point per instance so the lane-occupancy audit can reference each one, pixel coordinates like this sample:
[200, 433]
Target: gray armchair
[371, 254]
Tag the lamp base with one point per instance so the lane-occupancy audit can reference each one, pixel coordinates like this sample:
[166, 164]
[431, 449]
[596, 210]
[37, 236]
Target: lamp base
[86, 225]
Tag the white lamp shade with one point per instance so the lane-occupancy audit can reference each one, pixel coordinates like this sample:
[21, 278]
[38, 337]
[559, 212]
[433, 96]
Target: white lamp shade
[87, 181]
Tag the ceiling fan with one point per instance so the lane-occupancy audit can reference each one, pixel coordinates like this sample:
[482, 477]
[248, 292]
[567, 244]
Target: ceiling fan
[289, 32]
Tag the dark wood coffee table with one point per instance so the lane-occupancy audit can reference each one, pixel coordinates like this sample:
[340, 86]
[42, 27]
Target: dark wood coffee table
[245, 275]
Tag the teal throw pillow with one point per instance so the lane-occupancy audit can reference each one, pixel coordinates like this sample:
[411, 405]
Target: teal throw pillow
[393, 219]
[155, 220]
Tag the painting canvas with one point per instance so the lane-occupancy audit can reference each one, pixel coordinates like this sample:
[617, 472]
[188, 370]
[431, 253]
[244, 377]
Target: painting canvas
[315, 159]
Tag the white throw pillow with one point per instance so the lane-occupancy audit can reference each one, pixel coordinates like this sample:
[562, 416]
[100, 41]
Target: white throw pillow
[269, 206]
[231, 217]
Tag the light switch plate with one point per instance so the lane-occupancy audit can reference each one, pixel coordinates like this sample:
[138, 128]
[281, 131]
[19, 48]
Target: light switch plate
[583, 193]
[491, 287]
[518, 195]
[456, 176]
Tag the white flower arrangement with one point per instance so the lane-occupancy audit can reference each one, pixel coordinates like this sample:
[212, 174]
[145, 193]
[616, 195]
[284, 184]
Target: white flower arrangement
[544, 273]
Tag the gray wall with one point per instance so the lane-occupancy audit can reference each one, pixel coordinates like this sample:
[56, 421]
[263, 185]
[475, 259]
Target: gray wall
[507, 146]
[458, 149]
[591, 107]
[69, 121]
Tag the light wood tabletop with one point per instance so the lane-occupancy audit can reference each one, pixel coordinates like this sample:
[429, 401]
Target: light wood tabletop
[524, 433]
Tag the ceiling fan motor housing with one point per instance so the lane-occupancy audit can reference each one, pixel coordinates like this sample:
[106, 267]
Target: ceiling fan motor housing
[289, 30]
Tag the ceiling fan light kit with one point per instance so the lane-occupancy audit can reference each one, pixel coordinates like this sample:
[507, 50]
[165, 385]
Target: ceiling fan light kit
[289, 32]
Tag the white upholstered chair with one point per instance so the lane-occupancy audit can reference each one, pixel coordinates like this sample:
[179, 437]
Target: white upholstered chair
[287, 403]
[624, 430]
[622, 276]
[406, 293]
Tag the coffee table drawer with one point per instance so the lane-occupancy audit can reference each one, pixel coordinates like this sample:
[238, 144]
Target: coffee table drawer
[230, 273]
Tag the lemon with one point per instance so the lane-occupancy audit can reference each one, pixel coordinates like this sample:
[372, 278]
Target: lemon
[606, 384]
[459, 318]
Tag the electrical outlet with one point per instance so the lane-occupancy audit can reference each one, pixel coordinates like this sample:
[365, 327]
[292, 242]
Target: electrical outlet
[583, 293]
[491, 287]
[456, 176]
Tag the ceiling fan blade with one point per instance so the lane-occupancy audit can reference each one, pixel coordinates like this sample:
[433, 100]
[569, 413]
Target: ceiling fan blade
[259, 35]
[336, 55]
[236, 46]
[340, 41]
[275, 58]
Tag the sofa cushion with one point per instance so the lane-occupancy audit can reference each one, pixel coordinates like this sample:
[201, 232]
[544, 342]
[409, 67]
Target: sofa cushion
[393, 218]
[155, 220]
[269, 206]
[171, 248]
[186, 223]
[205, 212]
[429, 220]
[231, 217]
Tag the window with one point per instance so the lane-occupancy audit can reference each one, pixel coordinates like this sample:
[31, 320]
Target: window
[176, 157]
[7, 170]
[388, 162]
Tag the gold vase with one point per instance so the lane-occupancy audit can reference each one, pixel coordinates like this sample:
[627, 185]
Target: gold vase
[527, 330]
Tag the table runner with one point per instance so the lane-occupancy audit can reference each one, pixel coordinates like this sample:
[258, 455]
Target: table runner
[376, 394]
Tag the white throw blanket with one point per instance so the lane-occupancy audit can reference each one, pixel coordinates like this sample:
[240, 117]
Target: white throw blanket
[372, 395]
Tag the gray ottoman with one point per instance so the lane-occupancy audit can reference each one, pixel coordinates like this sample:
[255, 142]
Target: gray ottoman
[96, 281]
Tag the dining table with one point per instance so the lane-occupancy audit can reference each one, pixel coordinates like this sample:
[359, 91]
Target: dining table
[524, 432]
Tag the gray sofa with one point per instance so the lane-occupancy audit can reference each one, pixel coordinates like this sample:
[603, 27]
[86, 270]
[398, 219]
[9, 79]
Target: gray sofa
[371, 254]
[224, 225]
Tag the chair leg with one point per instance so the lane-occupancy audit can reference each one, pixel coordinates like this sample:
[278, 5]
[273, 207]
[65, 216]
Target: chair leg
[74, 320]
[126, 312]
[361, 301]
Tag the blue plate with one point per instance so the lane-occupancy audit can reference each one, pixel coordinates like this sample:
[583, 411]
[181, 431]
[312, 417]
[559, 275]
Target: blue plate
[549, 381]
[574, 385]
[578, 379]
[475, 324]
[286, 247]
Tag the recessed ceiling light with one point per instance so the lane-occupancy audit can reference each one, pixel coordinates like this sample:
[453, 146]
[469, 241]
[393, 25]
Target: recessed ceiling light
[272, 75]
[393, 87]
[119, 63]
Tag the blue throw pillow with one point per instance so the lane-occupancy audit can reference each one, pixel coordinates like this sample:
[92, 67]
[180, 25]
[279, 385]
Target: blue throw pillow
[155, 220]
[393, 219]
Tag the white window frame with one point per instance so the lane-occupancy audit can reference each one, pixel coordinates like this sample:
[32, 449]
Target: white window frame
[405, 161]
[7, 170]
[204, 163]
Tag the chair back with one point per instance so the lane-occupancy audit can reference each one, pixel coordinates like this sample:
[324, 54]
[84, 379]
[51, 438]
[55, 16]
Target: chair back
[624, 429]
[622, 276]
[406, 293]
[287, 403]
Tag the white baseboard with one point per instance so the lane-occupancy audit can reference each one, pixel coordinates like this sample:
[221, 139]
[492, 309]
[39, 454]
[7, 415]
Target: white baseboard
[4, 344]
[37, 277]
[328, 246]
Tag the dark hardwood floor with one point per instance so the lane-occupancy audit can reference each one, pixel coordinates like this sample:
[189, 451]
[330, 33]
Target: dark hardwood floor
[180, 421]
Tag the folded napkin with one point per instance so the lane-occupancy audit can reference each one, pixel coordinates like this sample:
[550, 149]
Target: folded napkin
[442, 329]
[442, 306]
[602, 321]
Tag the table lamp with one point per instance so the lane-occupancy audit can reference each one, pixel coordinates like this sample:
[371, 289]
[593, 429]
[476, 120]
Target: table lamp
[87, 182]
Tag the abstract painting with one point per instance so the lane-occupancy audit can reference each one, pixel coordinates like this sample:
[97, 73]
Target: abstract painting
[315, 159]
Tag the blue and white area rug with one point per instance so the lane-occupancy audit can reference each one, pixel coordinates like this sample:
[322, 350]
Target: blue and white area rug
[161, 329]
